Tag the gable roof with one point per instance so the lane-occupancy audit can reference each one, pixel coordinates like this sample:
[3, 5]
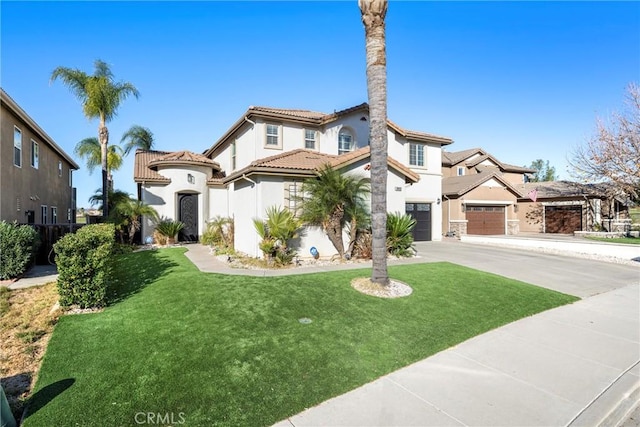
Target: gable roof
[565, 189]
[457, 186]
[302, 162]
[146, 164]
[451, 159]
[314, 118]
[13, 106]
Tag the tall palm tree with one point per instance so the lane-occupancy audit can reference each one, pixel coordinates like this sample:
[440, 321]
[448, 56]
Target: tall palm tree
[373, 13]
[138, 137]
[115, 197]
[330, 200]
[100, 97]
[90, 150]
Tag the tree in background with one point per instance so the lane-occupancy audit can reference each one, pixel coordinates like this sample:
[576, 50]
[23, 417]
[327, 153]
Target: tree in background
[373, 14]
[137, 137]
[100, 96]
[90, 150]
[544, 171]
[613, 152]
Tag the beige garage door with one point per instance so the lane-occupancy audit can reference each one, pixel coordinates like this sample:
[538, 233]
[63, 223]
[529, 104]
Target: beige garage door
[485, 220]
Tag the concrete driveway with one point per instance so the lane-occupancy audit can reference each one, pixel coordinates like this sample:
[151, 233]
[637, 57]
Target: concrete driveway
[575, 276]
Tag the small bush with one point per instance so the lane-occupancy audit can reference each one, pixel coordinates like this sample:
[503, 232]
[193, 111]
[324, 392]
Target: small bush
[363, 247]
[169, 228]
[399, 234]
[85, 263]
[18, 244]
[219, 233]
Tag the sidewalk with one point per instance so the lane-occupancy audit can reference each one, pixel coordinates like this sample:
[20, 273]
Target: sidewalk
[576, 365]
[36, 276]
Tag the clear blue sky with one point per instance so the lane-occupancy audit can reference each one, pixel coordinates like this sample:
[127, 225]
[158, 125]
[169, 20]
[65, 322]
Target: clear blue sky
[523, 80]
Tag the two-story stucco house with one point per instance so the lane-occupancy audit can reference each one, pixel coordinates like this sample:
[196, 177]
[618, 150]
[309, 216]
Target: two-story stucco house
[262, 159]
[35, 173]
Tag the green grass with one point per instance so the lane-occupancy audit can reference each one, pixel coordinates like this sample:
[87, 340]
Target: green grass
[229, 350]
[623, 240]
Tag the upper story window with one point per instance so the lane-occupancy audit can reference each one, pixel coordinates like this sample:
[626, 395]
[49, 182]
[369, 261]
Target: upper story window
[35, 154]
[416, 155]
[460, 171]
[233, 155]
[17, 147]
[59, 167]
[310, 139]
[345, 141]
[54, 215]
[43, 214]
[273, 139]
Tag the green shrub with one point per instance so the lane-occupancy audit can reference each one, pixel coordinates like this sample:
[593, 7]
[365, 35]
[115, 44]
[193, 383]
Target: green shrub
[399, 234]
[219, 233]
[18, 244]
[85, 264]
[169, 228]
[275, 233]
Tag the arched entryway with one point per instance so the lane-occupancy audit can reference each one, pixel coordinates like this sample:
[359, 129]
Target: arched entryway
[188, 214]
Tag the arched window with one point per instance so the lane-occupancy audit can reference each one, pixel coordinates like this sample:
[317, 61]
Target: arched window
[345, 141]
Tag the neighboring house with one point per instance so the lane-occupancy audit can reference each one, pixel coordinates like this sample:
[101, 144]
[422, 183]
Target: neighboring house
[565, 207]
[264, 157]
[35, 173]
[480, 194]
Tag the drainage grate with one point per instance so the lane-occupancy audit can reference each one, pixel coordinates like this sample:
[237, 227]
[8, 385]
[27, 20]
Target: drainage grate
[305, 320]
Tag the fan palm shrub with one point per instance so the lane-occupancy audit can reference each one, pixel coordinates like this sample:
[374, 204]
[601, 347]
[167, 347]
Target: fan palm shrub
[399, 234]
[169, 228]
[275, 233]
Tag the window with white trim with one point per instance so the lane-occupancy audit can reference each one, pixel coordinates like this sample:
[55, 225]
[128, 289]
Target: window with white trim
[59, 167]
[35, 154]
[416, 155]
[292, 196]
[43, 214]
[17, 147]
[310, 139]
[54, 215]
[460, 171]
[233, 155]
[272, 136]
[345, 141]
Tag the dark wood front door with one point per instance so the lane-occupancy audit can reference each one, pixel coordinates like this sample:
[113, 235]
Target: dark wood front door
[421, 212]
[485, 220]
[188, 214]
[563, 219]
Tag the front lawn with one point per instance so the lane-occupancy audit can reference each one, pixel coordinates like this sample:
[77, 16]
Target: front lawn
[623, 240]
[209, 349]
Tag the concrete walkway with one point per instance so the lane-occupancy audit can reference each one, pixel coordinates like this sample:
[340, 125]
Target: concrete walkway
[577, 365]
[36, 276]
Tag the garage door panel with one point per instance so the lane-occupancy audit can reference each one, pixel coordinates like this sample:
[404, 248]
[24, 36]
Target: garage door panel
[563, 219]
[485, 220]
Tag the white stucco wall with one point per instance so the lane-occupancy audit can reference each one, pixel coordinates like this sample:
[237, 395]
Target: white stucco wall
[163, 198]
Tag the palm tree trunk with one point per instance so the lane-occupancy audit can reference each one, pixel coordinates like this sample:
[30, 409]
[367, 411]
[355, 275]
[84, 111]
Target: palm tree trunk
[373, 14]
[103, 137]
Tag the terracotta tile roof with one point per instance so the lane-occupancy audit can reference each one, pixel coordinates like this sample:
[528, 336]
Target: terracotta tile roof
[141, 170]
[419, 136]
[182, 157]
[297, 159]
[459, 185]
[147, 162]
[301, 114]
[308, 162]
